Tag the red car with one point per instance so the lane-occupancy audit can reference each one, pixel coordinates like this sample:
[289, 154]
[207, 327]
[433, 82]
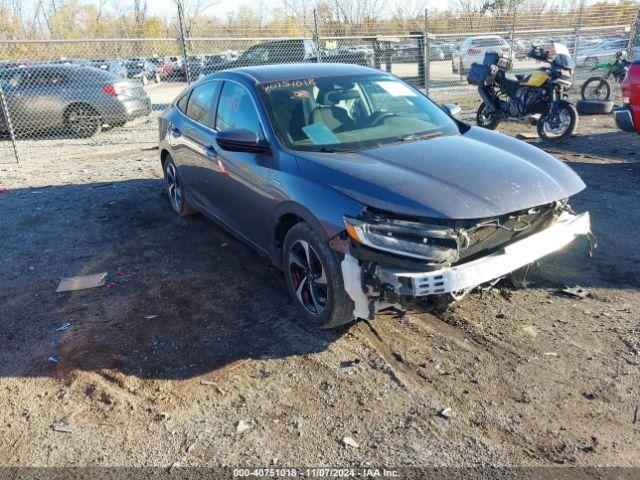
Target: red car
[628, 117]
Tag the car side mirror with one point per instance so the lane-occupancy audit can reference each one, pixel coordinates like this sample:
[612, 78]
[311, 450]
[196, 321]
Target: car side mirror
[241, 140]
[452, 108]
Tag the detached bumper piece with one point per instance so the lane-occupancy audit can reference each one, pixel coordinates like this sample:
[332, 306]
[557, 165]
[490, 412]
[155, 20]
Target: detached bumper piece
[485, 269]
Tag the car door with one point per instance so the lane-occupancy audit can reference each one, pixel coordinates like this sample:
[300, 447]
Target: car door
[193, 141]
[243, 192]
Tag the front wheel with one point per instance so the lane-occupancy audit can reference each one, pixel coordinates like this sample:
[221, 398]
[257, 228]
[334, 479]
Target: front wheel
[596, 88]
[487, 119]
[560, 126]
[314, 279]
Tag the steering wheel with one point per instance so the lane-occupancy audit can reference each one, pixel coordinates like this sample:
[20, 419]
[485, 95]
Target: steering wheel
[378, 117]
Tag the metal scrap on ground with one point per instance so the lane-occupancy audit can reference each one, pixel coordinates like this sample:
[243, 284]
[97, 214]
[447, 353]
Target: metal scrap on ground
[81, 282]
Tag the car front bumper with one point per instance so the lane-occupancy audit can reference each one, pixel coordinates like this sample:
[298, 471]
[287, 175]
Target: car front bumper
[485, 269]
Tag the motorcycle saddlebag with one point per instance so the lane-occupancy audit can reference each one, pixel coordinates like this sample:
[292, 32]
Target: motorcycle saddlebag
[481, 75]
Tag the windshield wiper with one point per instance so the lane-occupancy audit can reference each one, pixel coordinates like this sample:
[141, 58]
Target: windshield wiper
[412, 137]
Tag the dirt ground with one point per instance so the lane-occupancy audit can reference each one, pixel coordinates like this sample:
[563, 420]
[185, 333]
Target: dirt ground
[192, 353]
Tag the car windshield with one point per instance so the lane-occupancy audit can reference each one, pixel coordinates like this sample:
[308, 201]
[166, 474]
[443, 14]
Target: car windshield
[351, 113]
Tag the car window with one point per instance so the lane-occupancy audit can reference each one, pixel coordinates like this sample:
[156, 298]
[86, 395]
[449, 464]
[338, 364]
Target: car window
[354, 113]
[200, 105]
[182, 103]
[237, 110]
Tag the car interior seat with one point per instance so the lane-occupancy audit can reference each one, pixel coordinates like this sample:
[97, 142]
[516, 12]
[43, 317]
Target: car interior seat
[329, 113]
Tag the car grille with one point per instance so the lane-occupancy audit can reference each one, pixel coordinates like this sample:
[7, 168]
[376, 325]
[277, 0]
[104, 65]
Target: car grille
[502, 231]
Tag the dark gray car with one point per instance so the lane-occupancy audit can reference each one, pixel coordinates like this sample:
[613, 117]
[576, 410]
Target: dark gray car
[80, 99]
[359, 187]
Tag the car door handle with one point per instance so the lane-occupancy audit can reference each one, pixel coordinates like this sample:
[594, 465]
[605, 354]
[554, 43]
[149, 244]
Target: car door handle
[175, 131]
[210, 151]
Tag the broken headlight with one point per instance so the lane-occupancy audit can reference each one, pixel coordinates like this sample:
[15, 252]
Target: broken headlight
[433, 243]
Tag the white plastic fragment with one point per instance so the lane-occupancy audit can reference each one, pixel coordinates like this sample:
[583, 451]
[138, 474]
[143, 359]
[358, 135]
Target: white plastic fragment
[353, 286]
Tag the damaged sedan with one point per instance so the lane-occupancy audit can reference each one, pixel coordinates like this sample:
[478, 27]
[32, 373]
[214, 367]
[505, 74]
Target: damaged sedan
[359, 187]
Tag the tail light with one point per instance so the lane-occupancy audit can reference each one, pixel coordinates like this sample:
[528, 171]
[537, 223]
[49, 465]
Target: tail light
[114, 90]
[473, 51]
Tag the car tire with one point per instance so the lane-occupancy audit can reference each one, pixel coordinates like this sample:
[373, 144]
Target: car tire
[174, 190]
[594, 107]
[323, 301]
[82, 121]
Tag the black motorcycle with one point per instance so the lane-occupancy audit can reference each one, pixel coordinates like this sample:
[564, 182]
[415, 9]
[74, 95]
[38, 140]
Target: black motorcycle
[537, 97]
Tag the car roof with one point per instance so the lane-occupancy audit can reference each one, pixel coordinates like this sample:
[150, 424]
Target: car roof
[289, 71]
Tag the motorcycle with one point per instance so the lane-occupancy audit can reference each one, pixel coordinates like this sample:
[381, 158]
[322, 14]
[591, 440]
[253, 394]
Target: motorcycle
[598, 88]
[538, 97]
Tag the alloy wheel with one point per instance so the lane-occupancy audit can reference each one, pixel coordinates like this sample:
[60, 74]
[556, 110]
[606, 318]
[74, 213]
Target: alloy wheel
[556, 127]
[83, 121]
[173, 187]
[308, 277]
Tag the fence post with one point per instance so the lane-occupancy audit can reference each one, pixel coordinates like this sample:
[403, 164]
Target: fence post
[316, 37]
[7, 117]
[427, 63]
[634, 36]
[513, 34]
[182, 42]
[576, 43]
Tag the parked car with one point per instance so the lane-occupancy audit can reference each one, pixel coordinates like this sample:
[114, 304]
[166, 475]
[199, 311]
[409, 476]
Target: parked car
[80, 99]
[165, 67]
[360, 187]
[448, 48]
[142, 70]
[113, 66]
[628, 116]
[472, 50]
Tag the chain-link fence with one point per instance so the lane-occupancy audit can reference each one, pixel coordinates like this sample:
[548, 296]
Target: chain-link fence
[83, 97]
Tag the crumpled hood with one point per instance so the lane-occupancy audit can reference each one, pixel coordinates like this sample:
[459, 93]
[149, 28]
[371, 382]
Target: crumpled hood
[477, 174]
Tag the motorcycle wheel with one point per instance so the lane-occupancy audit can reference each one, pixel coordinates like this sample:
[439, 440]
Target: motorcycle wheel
[485, 119]
[562, 128]
[595, 88]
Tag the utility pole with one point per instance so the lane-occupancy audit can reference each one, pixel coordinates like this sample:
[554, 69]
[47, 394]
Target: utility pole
[576, 43]
[182, 41]
[5, 110]
[316, 36]
[427, 65]
[634, 36]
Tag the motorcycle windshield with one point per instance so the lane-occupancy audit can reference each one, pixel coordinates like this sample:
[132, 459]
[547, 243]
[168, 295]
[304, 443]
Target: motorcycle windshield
[563, 57]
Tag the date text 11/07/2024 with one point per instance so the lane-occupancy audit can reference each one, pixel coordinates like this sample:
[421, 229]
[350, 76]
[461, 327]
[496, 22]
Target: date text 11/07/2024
[368, 472]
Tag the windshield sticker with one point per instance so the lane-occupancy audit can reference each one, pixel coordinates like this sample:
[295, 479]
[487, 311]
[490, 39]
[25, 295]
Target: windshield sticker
[301, 94]
[307, 82]
[320, 134]
[397, 89]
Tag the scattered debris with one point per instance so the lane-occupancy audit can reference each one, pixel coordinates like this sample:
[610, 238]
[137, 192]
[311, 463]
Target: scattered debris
[350, 442]
[447, 413]
[549, 354]
[636, 415]
[151, 317]
[61, 428]
[63, 327]
[81, 282]
[577, 292]
[54, 360]
[242, 426]
[349, 363]
[214, 385]
[589, 395]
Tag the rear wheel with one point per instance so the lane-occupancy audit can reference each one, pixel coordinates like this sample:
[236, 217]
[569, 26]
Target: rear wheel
[487, 119]
[314, 279]
[596, 88]
[82, 121]
[561, 126]
[174, 189]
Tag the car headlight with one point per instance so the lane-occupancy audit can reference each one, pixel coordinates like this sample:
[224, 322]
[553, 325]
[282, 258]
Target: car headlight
[433, 243]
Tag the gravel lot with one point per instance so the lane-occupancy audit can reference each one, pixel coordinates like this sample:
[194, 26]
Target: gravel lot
[531, 377]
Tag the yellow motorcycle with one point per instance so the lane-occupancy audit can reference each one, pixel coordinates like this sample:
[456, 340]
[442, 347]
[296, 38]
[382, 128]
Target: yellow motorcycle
[538, 97]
